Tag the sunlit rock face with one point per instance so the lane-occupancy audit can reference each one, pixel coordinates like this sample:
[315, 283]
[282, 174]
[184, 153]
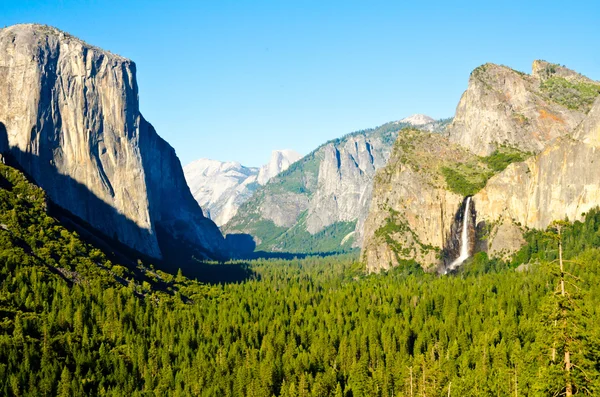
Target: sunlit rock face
[72, 120]
[550, 114]
[559, 183]
[502, 106]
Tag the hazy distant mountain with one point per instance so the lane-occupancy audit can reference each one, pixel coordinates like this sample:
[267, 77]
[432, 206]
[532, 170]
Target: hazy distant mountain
[221, 187]
[280, 161]
[417, 119]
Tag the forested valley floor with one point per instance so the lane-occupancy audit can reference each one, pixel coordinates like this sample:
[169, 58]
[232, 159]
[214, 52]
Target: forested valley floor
[74, 323]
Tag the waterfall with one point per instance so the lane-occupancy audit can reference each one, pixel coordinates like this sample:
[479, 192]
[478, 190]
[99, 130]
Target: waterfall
[464, 239]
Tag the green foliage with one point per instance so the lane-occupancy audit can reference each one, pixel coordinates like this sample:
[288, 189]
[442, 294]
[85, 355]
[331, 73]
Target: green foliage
[576, 237]
[312, 327]
[467, 179]
[299, 178]
[481, 264]
[502, 157]
[266, 231]
[401, 239]
[574, 95]
[328, 240]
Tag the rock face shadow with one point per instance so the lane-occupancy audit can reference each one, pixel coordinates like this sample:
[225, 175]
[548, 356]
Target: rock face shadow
[452, 247]
[55, 183]
[66, 192]
[3, 141]
[241, 244]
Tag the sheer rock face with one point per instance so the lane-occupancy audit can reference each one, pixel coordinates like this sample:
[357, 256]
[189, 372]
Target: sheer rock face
[504, 107]
[412, 213]
[72, 120]
[345, 183]
[559, 182]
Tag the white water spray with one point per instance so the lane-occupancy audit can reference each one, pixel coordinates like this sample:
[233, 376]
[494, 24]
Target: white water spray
[464, 239]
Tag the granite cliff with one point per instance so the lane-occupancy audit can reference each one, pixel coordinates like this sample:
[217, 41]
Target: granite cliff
[521, 145]
[502, 106]
[71, 117]
[558, 183]
[415, 212]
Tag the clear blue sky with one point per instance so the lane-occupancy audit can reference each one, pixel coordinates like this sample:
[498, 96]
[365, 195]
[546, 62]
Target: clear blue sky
[234, 80]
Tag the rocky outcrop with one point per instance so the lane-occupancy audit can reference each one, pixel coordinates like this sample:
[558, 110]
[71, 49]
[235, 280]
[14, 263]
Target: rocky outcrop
[345, 181]
[415, 216]
[413, 212]
[220, 188]
[558, 183]
[543, 71]
[502, 106]
[72, 119]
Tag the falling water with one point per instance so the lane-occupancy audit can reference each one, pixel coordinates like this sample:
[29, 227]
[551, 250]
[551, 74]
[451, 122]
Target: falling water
[464, 239]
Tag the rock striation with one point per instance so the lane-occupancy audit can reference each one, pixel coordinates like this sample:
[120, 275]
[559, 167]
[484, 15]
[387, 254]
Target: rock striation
[221, 187]
[72, 120]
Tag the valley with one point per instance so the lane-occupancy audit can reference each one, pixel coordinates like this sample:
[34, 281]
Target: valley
[423, 257]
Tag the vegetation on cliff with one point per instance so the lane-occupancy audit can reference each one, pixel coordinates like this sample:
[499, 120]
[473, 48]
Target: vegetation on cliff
[468, 178]
[574, 95]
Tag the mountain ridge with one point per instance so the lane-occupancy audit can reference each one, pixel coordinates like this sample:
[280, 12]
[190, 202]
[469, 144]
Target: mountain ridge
[324, 196]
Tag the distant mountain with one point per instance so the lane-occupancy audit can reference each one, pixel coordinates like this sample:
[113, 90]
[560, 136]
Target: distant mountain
[320, 203]
[221, 187]
[417, 119]
[280, 161]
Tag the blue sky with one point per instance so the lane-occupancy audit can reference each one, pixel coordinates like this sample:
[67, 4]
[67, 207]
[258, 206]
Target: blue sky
[233, 80]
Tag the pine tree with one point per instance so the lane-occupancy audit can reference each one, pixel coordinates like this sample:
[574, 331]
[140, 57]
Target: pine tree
[64, 386]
